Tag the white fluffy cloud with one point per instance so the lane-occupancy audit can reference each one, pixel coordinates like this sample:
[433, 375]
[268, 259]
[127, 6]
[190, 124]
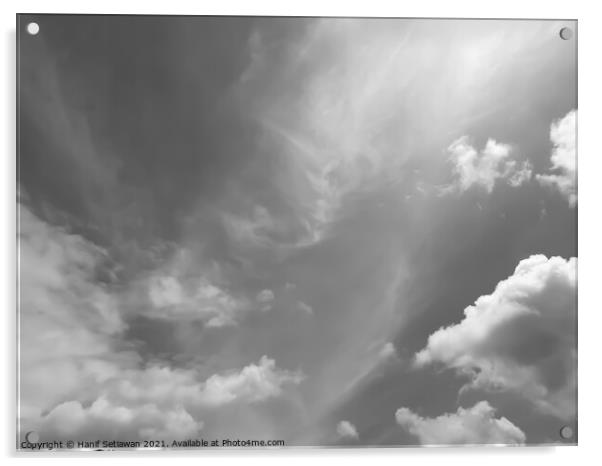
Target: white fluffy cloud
[484, 168]
[563, 134]
[162, 384]
[78, 375]
[253, 383]
[346, 429]
[102, 418]
[520, 338]
[163, 401]
[196, 297]
[68, 319]
[477, 425]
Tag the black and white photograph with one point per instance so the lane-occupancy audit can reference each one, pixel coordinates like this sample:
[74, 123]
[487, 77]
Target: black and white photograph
[276, 232]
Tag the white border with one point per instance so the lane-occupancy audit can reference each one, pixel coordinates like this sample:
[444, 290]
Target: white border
[590, 234]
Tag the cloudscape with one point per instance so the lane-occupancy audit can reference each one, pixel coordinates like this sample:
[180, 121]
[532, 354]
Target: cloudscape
[303, 231]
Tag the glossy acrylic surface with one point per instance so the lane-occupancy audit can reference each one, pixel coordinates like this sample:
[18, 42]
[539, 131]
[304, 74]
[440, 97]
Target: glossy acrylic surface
[264, 231]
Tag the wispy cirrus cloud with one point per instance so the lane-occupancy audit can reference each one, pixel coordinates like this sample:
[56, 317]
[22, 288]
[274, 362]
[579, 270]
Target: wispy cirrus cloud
[347, 124]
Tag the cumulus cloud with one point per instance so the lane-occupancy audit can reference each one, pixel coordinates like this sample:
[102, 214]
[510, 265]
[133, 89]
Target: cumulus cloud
[195, 300]
[563, 134]
[256, 382]
[520, 338]
[346, 429]
[160, 400]
[80, 378]
[67, 316]
[102, 418]
[484, 168]
[186, 286]
[520, 174]
[477, 425]
[161, 384]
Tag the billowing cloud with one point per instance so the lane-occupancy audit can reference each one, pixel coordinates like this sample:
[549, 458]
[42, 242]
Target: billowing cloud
[185, 286]
[520, 338]
[254, 383]
[80, 377]
[485, 167]
[104, 419]
[160, 400]
[69, 319]
[563, 134]
[162, 384]
[201, 300]
[346, 429]
[476, 425]
[520, 174]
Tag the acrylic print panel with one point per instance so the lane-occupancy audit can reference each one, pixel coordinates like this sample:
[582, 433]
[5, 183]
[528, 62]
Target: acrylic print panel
[266, 231]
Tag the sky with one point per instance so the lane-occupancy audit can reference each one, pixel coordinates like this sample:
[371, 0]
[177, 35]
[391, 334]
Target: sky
[327, 231]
